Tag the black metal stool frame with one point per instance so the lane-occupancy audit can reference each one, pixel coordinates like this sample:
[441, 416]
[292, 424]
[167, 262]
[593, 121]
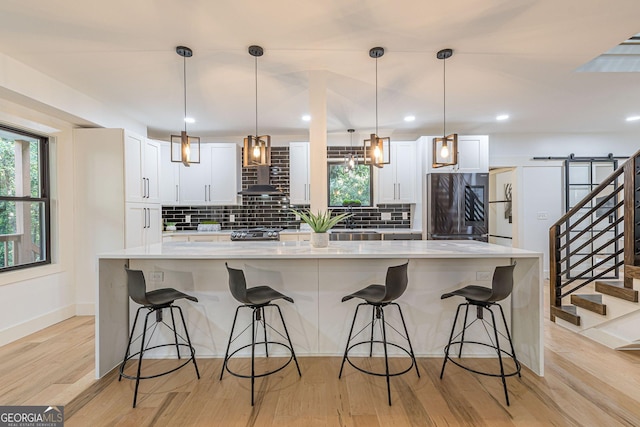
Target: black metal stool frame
[158, 311]
[481, 306]
[258, 316]
[378, 312]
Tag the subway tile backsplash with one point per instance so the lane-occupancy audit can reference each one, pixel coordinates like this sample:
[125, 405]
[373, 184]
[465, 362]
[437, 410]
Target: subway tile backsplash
[257, 211]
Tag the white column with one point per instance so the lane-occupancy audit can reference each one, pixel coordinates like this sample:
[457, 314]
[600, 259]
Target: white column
[318, 139]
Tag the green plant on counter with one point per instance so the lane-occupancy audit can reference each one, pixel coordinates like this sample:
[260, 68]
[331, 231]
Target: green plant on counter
[320, 222]
[170, 224]
[209, 222]
[351, 202]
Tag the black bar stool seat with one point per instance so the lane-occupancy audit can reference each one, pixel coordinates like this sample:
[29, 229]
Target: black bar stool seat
[484, 298]
[155, 301]
[256, 299]
[378, 297]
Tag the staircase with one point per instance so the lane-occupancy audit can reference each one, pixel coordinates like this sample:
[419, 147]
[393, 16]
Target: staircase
[595, 257]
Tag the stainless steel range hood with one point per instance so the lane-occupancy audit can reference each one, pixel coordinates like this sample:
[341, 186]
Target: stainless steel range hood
[263, 187]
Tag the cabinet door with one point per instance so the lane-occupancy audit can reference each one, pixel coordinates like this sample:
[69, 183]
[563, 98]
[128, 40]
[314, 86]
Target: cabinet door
[224, 174]
[404, 161]
[134, 147]
[136, 218]
[169, 178]
[473, 154]
[151, 171]
[195, 180]
[153, 232]
[387, 186]
[299, 186]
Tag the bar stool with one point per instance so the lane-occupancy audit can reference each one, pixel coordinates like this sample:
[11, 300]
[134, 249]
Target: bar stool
[155, 301]
[256, 298]
[484, 298]
[378, 297]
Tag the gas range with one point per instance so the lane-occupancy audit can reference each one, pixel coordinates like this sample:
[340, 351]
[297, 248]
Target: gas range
[254, 234]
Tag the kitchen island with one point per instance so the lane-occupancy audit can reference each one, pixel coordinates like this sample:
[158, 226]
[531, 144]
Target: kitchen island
[317, 279]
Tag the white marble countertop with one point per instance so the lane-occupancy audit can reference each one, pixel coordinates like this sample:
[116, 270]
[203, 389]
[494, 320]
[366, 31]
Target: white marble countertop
[337, 249]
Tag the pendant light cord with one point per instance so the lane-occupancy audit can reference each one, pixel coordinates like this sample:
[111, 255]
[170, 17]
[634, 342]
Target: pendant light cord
[184, 80]
[444, 98]
[256, 76]
[376, 96]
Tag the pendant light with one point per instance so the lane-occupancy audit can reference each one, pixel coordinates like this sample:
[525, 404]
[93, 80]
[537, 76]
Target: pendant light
[351, 159]
[257, 149]
[185, 149]
[445, 149]
[377, 150]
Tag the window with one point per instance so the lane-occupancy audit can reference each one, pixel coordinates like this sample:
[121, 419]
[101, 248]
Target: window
[349, 186]
[24, 200]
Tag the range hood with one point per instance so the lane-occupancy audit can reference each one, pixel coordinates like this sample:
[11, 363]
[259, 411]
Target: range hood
[263, 187]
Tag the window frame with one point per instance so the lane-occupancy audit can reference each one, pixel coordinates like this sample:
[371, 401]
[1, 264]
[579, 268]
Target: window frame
[45, 199]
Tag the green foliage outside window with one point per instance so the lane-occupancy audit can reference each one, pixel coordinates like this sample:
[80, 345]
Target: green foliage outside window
[354, 185]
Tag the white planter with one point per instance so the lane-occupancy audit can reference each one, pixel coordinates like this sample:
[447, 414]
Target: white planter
[319, 240]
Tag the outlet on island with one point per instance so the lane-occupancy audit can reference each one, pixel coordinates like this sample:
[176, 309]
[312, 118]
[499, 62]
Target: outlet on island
[232, 218]
[187, 218]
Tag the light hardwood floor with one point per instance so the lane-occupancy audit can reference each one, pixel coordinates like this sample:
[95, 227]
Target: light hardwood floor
[585, 384]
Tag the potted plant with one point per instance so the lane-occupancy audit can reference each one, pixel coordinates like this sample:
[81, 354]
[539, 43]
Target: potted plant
[320, 223]
[170, 226]
[351, 203]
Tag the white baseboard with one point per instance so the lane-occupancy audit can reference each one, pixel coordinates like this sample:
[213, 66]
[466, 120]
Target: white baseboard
[86, 309]
[34, 325]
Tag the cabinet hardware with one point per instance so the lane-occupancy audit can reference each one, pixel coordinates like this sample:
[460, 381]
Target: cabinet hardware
[177, 193]
[399, 196]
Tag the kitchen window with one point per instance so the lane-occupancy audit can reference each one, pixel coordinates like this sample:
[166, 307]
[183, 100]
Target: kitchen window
[349, 186]
[24, 200]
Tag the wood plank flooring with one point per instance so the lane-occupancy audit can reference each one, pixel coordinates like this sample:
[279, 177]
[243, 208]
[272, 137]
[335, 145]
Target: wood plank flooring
[585, 384]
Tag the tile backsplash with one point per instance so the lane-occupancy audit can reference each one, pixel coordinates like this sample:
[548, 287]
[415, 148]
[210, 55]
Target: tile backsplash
[258, 211]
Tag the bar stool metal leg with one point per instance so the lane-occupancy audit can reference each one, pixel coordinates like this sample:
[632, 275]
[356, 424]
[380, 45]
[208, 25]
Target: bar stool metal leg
[144, 335]
[346, 349]
[226, 353]
[464, 328]
[373, 323]
[264, 327]
[253, 351]
[126, 353]
[175, 332]
[446, 348]
[186, 334]
[513, 350]
[386, 358]
[406, 332]
[495, 332]
[286, 331]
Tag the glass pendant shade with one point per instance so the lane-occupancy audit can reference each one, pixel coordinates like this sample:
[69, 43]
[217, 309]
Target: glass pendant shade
[257, 151]
[445, 151]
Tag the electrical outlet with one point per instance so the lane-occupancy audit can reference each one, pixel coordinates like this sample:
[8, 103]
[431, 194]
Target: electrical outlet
[483, 275]
[297, 217]
[157, 276]
[187, 218]
[386, 216]
[542, 216]
[232, 218]
[405, 215]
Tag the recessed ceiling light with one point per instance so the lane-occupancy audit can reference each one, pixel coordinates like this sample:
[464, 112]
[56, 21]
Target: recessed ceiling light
[501, 117]
[189, 120]
[633, 118]
[306, 118]
[409, 118]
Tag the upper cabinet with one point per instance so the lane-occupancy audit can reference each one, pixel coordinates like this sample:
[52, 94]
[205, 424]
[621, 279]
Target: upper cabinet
[397, 180]
[142, 169]
[473, 155]
[213, 181]
[299, 176]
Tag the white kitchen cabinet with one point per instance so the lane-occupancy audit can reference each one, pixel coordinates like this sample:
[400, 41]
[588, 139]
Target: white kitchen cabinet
[299, 176]
[473, 155]
[397, 180]
[143, 224]
[142, 169]
[169, 178]
[213, 181]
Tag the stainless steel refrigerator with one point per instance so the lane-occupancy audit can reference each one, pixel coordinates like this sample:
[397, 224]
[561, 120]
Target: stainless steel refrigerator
[457, 206]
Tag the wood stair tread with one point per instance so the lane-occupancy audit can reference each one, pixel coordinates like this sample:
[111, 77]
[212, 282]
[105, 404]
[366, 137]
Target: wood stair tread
[616, 289]
[567, 313]
[591, 302]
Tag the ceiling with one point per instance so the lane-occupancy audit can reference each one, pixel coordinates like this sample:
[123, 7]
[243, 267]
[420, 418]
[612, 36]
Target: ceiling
[510, 57]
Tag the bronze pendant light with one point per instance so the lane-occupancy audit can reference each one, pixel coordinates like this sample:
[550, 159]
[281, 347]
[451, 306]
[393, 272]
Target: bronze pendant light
[351, 159]
[185, 149]
[377, 151]
[257, 149]
[445, 149]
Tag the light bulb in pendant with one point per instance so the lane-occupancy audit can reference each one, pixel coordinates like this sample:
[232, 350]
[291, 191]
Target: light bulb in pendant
[256, 151]
[376, 152]
[444, 151]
